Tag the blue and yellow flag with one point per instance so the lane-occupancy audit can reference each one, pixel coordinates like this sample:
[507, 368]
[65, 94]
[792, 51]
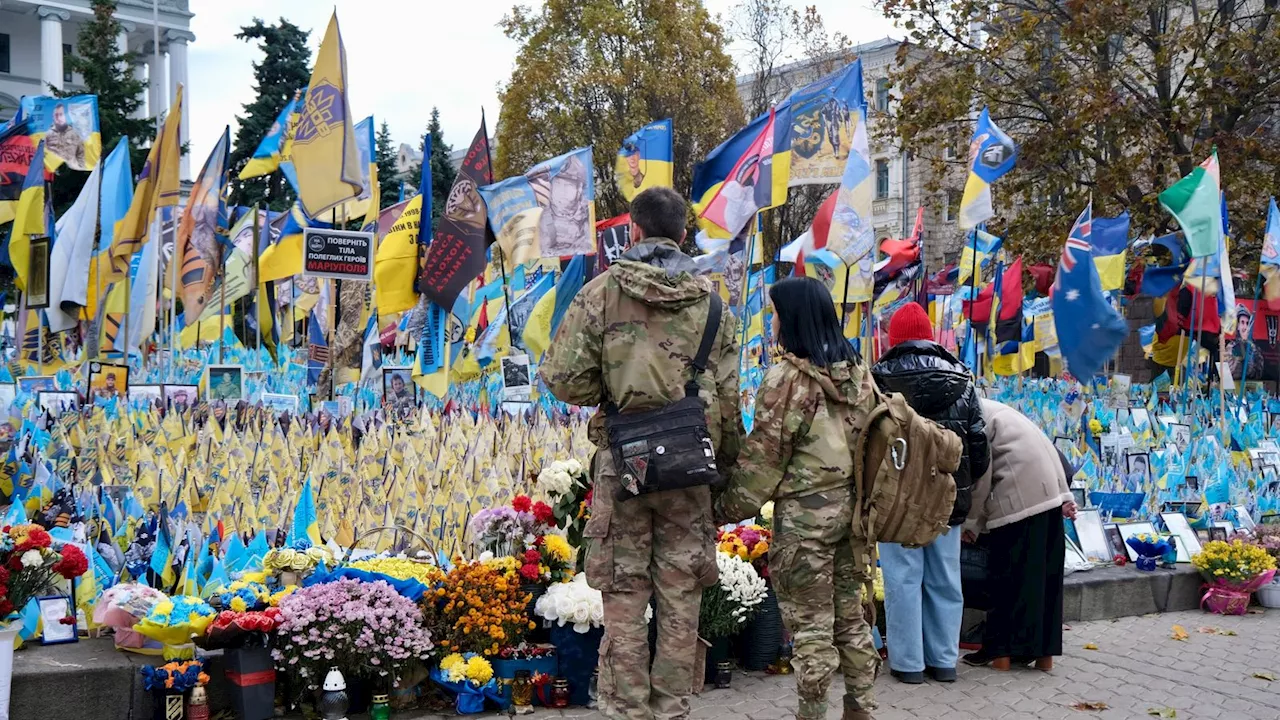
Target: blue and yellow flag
[266, 158]
[306, 523]
[324, 144]
[157, 187]
[645, 159]
[69, 128]
[1110, 243]
[114, 199]
[1270, 258]
[977, 254]
[30, 219]
[202, 234]
[991, 155]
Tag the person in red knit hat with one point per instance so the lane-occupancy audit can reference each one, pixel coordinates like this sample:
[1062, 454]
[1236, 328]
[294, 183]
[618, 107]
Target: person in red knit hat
[923, 600]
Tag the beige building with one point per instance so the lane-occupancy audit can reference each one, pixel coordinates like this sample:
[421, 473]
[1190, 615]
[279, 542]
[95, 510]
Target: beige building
[900, 180]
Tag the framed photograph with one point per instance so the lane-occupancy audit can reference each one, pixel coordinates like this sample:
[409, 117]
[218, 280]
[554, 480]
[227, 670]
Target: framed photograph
[1273, 424]
[58, 402]
[1193, 483]
[1115, 542]
[38, 274]
[517, 385]
[1225, 525]
[181, 395]
[1065, 445]
[1141, 418]
[1128, 530]
[36, 383]
[1243, 519]
[398, 388]
[1138, 466]
[225, 382]
[108, 381]
[1093, 539]
[1188, 541]
[1180, 435]
[1269, 519]
[8, 391]
[281, 403]
[53, 609]
[1110, 451]
[1079, 495]
[147, 393]
[1217, 533]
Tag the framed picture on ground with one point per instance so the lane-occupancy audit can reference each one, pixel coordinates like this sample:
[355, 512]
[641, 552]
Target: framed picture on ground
[1243, 519]
[54, 610]
[181, 395]
[1138, 467]
[1180, 434]
[1115, 543]
[225, 382]
[57, 402]
[38, 273]
[148, 393]
[1188, 541]
[1217, 533]
[1093, 540]
[1065, 445]
[36, 383]
[108, 381]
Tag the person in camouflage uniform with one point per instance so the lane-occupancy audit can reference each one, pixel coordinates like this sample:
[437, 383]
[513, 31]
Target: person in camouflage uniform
[629, 337]
[810, 404]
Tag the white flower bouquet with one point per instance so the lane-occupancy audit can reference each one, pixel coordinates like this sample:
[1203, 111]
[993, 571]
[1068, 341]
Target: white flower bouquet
[574, 602]
[728, 604]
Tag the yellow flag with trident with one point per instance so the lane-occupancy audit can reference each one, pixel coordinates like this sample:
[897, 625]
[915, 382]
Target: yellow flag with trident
[324, 143]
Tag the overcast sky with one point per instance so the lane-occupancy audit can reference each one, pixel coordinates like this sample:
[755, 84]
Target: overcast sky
[402, 59]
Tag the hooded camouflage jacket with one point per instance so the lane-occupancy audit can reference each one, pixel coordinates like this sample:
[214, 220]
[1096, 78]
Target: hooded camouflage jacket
[798, 452]
[630, 336]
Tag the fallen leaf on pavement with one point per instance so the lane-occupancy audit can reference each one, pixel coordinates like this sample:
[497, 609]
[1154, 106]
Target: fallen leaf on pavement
[1090, 646]
[1090, 706]
[1179, 633]
[1265, 676]
[1216, 631]
[1164, 712]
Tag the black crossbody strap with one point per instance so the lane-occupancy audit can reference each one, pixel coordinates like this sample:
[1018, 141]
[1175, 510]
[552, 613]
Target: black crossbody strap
[709, 334]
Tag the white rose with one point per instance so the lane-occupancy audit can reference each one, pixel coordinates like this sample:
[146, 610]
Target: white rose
[32, 558]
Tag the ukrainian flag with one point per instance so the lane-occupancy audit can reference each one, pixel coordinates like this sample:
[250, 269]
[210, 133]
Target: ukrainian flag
[266, 158]
[1110, 242]
[114, 201]
[305, 520]
[157, 187]
[324, 144]
[978, 252]
[646, 159]
[1270, 260]
[30, 217]
[992, 154]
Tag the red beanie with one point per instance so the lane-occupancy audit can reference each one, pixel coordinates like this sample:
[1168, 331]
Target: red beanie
[911, 322]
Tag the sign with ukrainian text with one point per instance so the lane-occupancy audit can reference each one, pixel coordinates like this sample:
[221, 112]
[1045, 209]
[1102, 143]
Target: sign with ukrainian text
[337, 254]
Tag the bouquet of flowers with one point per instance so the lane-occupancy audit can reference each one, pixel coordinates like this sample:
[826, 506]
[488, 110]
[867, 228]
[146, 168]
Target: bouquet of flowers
[231, 629]
[569, 489]
[477, 609]
[728, 604]
[1267, 537]
[471, 677]
[30, 565]
[242, 595]
[121, 607]
[367, 629]
[1150, 548]
[176, 621]
[173, 678]
[575, 603]
[748, 542]
[1233, 571]
[520, 531]
[525, 651]
[300, 560]
[400, 567]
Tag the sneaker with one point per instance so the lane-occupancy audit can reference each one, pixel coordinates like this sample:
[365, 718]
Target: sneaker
[976, 659]
[910, 678]
[942, 675]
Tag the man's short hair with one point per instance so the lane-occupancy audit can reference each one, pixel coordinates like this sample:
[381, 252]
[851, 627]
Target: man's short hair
[660, 212]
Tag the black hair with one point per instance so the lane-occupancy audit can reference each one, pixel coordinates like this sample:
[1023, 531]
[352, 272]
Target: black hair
[660, 212]
[807, 323]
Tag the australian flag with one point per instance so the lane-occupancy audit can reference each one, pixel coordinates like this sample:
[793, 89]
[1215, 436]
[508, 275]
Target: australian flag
[1089, 329]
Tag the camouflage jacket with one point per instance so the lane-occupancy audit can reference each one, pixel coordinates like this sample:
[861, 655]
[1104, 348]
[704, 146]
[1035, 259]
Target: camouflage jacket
[798, 453]
[630, 336]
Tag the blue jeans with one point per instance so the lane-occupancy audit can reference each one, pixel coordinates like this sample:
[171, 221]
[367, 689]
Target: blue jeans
[923, 603]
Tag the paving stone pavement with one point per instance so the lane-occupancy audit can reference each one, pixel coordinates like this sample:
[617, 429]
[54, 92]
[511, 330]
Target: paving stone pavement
[1137, 667]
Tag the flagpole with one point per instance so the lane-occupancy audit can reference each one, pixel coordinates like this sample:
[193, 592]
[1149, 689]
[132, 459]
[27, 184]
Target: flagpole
[256, 279]
[1248, 341]
[973, 276]
[506, 297]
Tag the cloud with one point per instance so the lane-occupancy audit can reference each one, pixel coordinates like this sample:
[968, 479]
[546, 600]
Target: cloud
[403, 57]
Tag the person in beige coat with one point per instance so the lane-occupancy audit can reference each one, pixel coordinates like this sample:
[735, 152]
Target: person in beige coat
[1018, 506]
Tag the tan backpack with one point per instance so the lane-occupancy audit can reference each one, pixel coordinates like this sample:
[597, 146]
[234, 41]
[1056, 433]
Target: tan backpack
[905, 491]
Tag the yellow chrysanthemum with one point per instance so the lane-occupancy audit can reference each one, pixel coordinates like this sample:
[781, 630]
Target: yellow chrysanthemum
[238, 604]
[479, 670]
[557, 547]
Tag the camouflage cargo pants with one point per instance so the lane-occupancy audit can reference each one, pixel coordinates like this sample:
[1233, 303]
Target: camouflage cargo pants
[661, 546]
[819, 587]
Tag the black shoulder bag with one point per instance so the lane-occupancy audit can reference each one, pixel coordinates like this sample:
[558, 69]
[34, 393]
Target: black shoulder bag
[668, 448]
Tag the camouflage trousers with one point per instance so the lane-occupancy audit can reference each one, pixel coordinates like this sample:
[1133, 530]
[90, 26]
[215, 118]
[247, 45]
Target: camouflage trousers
[820, 587]
[660, 546]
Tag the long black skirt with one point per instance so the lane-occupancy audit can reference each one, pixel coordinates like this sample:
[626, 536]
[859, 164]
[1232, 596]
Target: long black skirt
[1024, 569]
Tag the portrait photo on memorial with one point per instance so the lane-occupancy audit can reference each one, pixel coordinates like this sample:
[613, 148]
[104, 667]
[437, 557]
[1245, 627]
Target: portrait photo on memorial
[225, 382]
[108, 381]
[181, 395]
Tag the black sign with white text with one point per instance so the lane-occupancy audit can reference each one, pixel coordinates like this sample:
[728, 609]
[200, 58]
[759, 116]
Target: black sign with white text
[337, 254]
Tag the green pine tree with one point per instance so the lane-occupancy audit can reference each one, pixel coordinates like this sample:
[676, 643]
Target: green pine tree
[107, 73]
[285, 68]
[385, 156]
[442, 171]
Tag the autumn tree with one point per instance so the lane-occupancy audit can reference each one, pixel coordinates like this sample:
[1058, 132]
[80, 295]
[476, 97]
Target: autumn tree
[442, 171]
[591, 72]
[1112, 100]
[384, 153]
[284, 69]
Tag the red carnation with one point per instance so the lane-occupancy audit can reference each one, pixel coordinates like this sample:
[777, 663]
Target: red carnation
[6, 607]
[587, 499]
[68, 620]
[529, 572]
[37, 537]
[72, 564]
[522, 503]
[543, 513]
[4, 576]
[15, 561]
[540, 540]
[532, 556]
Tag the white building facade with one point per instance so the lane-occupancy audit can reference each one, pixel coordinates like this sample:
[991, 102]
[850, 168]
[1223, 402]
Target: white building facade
[35, 36]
